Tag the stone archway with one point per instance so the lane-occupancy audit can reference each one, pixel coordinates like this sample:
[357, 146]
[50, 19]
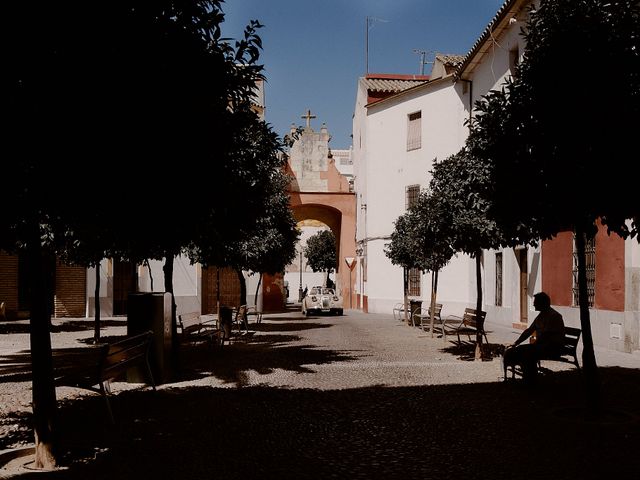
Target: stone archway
[320, 192]
[337, 211]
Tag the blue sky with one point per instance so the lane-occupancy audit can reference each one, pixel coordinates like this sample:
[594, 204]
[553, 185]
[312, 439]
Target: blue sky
[314, 50]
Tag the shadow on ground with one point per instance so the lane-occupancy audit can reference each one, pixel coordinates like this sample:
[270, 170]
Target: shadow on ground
[262, 354]
[453, 431]
[64, 326]
[287, 327]
[465, 350]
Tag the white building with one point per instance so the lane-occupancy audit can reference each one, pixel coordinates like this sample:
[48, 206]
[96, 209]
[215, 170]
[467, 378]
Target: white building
[401, 124]
[396, 139]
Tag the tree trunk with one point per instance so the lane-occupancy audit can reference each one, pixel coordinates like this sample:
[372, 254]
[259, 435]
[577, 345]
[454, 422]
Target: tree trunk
[480, 322]
[96, 331]
[589, 365]
[43, 388]
[167, 270]
[148, 265]
[255, 301]
[405, 280]
[434, 294]
[243, 287]
[243, 297]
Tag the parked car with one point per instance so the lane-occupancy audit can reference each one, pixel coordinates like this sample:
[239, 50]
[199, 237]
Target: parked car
[322, 300]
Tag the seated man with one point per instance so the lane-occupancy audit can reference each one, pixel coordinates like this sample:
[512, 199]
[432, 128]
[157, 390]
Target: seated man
[548, 327]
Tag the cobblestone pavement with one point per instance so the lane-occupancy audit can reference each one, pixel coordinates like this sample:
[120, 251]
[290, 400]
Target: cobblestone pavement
[356, 396]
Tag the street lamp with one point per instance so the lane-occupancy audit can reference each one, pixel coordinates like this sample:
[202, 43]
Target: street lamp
[300, 287]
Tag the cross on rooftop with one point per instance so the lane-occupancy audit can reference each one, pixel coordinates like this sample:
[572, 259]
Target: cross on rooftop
[308, 116]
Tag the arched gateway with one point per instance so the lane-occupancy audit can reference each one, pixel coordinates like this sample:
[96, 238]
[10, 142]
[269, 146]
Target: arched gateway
[320, 192]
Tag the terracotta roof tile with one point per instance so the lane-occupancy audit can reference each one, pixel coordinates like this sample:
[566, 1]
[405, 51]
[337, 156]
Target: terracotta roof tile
[450, 59]
[390, 85]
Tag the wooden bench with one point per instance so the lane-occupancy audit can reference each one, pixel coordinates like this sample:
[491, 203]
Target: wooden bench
[421, 317]
[93, 368]
[568, 353]
[192, 328]
[469, 323]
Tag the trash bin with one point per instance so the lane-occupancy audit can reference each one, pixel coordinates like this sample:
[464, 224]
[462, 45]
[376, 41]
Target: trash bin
[413, 305]
[152, 311]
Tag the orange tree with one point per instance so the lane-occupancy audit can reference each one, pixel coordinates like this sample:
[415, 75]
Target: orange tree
[561, 143]
[461, 184]
[419, 241]
[253, 229]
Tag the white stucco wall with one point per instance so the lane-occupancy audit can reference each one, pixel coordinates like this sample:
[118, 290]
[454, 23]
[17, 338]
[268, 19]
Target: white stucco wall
[494, 66]
[386, 168]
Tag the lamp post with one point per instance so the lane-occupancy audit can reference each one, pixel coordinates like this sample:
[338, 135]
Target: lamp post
[300, 287]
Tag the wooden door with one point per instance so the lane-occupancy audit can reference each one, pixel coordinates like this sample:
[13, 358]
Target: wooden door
[125, 281]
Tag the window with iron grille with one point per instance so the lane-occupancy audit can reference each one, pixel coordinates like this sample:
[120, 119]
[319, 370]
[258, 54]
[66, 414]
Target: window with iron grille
[414, 282]
[590, 263]
[498, 279]
[414, 131]
[412, 192]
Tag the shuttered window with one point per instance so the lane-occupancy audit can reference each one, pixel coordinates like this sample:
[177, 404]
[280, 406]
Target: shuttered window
[414, 131]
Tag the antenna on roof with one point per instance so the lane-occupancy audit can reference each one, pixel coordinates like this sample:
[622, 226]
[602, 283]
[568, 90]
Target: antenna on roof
[369, 24]
[422, 54]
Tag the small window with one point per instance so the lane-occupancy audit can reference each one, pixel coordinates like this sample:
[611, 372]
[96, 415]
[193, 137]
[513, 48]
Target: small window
[414, 131]
[414, 282]
[412, 192]
[499, 279]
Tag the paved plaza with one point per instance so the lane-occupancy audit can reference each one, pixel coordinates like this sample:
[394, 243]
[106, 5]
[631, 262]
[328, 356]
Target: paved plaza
[348, 397]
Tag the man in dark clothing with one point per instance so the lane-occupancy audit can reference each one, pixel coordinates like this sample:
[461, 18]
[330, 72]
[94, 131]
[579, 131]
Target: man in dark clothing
[548, 332]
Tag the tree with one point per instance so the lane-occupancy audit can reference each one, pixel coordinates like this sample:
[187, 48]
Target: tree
[551, 135]
[321, 252]
[418, 241]
[461, 183]
[110, 93]
[264, 236]
[401, 250]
